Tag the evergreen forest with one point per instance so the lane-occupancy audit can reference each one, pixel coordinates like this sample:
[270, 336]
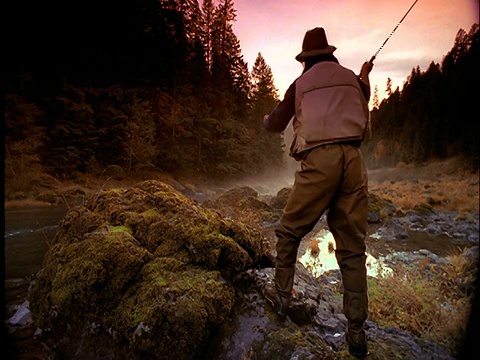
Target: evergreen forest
[435, 115]
[162, 85]
[143, 85]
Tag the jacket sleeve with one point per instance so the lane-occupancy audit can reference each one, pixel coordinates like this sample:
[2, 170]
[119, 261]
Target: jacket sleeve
[279, 118]
[365, 88]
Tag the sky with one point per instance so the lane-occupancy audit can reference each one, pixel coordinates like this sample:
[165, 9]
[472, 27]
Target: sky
[357, 28]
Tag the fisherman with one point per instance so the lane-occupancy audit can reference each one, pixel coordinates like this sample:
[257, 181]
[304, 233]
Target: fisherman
[328, 105]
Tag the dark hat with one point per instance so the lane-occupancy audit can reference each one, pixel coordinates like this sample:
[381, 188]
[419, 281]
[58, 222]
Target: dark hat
[315, 43]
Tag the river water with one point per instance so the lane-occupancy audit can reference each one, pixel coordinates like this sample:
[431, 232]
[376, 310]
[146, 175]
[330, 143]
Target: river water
[28, 233]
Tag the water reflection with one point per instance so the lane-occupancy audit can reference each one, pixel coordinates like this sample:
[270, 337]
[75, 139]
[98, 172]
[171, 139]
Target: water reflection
[28, 233]
[320, 259]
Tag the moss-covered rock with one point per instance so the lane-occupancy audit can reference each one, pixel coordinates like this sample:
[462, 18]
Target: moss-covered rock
[242, 203]
[379, 209]
[281, 198]
[149, 266]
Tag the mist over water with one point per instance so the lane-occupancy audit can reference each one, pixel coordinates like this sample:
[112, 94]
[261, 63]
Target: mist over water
[268, 183]
[273, 179]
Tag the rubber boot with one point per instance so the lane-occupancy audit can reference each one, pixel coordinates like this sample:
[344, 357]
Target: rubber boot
[357, 341]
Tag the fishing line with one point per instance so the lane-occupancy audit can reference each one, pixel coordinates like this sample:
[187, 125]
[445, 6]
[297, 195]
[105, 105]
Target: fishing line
[391, 33]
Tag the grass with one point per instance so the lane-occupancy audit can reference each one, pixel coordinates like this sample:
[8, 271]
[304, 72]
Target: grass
[443, 184]
[425, 300]
[447, 194]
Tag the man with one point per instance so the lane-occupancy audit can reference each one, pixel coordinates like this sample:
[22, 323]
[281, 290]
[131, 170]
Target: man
[329, 107]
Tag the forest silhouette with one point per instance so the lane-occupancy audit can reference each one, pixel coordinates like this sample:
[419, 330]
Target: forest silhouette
[163, 85]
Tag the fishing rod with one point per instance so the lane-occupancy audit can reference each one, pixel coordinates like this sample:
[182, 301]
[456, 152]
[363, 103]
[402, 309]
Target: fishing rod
[391, 33]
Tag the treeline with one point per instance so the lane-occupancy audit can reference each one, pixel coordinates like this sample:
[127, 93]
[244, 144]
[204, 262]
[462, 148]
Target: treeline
[144, 85]
[435, 115]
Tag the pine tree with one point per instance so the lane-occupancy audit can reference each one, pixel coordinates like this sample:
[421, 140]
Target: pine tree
[262, 81]
[139, 145]
[73, 140]
[389, 86]
[24, 137]
[264, 98]
[206, 26]
[376, 101]
[431, 116]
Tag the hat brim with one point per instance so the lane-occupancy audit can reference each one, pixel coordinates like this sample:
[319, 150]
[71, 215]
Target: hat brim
[308, 54]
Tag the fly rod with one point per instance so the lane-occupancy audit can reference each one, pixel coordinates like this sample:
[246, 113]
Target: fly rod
[391, 33]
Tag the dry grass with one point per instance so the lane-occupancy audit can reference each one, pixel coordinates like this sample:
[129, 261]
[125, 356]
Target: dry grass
[25, 203]
[443, 184]
[424, 300]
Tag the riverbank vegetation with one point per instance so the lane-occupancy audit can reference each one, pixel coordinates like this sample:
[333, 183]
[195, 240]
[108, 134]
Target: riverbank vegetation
[428, 300]
[447, 184]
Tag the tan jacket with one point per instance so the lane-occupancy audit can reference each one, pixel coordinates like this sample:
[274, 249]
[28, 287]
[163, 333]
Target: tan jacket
[329, 107]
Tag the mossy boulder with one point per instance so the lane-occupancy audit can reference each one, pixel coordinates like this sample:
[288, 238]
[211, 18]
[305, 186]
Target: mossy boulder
[242, 203]
[281, 198]
[379, 209]
[145, 267]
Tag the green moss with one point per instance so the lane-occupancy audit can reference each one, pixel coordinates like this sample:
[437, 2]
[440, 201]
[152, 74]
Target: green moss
[173, 299]
[77, 223]
[283, 342]
[86, 278]
[116, 229]
[144, 258]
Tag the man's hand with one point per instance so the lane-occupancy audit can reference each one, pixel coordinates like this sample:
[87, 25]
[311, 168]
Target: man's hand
[265, 117]
[366, 68]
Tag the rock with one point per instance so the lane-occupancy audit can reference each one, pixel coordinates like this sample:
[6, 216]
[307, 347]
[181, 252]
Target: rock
[44, 181]
[114, 171]
[22, 316]
[394, 229]
[147, 273]
[146, 270]
[424, 209]
[49, 196]
[280, 200]
[242, 203]
[379, 209]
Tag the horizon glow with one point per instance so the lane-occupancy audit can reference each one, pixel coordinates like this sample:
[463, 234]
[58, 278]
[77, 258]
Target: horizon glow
[276, 28]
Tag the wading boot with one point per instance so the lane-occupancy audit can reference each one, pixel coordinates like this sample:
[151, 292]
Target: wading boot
[357, 343]
[280, 303]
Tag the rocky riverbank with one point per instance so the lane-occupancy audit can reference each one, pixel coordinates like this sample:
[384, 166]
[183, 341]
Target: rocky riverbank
[136, 220]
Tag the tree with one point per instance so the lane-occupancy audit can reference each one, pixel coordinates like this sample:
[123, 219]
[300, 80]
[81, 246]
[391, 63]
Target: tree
[73, 138]
[139, 145]
[206, 26]
[376, 102]
[23, 139]
[431, 116]
[264, 99]
[262, 81]
[389, 86]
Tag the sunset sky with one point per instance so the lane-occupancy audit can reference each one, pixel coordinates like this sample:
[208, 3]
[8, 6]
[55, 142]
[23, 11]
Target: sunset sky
[357, 28]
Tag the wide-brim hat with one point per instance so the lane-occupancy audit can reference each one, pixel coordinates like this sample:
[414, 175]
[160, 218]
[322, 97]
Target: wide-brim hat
[315, 43]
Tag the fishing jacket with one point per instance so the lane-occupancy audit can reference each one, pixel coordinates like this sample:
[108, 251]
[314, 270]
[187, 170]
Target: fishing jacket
[328, 105]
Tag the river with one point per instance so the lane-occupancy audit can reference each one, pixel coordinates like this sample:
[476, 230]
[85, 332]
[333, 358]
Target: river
[28, 233]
